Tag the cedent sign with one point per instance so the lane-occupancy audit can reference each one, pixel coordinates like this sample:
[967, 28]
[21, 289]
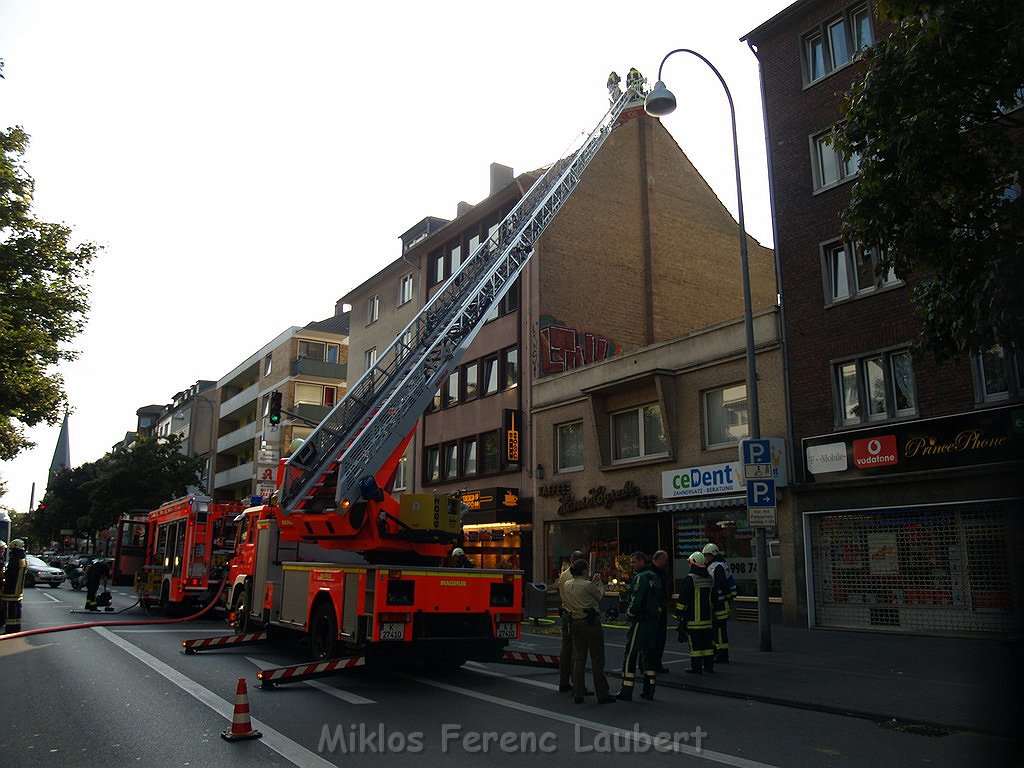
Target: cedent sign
[702, 480]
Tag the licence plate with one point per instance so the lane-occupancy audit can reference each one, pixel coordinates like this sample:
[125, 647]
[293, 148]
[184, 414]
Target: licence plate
[391, 631]
[507, 630]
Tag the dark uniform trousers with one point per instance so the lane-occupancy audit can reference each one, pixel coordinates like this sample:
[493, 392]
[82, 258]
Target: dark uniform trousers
[565, 656]
[588, 637]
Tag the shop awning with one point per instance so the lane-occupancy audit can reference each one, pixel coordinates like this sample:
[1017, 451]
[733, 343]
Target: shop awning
[712, 502]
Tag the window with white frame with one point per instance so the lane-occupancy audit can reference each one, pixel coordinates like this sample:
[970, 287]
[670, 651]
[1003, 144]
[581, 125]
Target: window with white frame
[456, 256]
[432, 464]
[315, 394]
[835, 43]
[469, 463]
[569, 446]
[405, 287]
[875, 387]
[268, 364]
[450, 461]
[439, 271]
[997, 374]
[830, 166]
[317, 350]
[372, 309]
[471, 380]
[725, 415]
[451, 395]
[369, 358]
[401, 475]
[852, 270]
[638, 433]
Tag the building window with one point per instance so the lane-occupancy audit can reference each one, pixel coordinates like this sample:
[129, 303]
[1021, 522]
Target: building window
[438, 267]
[432, 465]
[569, 446]
[469, 467]
[835, 43]
[638, 433]
[405, 289]
[875, 387]
[452, 389]
[370, 358]
[997, 374]
[317, 350]
[490, 453]
[471, 381]
[510, 301]
[372, 310]
[451, 461]
[830, 166]
[851, 270]
[456, 256]
[725, 415]
[268, 364]
[401, 475]
[314, 394]
[490, 375]
[474, 243]
[510, 366]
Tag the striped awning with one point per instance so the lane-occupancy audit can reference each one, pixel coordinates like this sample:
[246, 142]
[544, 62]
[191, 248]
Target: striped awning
[706, 502]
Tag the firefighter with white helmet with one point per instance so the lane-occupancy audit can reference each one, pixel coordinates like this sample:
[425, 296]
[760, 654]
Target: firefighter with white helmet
[459, 559]
[695, 609]
[725, 591]
[14, 586]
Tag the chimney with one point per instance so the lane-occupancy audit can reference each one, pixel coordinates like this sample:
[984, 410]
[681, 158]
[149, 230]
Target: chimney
[501, 175]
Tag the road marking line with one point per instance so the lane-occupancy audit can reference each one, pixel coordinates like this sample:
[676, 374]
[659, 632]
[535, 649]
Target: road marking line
[330, 690]
[51, 597]
[614, 731]
[290, 750]
[185, 630]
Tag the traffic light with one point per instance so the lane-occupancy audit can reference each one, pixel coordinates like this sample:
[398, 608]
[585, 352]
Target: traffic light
[275, 408]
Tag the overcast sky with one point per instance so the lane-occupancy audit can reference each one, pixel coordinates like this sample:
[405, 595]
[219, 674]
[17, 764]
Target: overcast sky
[245, 164]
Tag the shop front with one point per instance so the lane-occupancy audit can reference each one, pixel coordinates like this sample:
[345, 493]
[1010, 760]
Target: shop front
[917, 528]
[497, 530]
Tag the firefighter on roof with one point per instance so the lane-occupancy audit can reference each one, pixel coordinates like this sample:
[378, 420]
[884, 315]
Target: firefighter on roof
[613, 87]
[635, 81]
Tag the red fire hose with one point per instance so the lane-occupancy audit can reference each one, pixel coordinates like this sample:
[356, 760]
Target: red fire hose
[88, 624]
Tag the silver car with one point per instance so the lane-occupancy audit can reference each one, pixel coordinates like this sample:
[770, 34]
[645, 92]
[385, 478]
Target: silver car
[40, 573]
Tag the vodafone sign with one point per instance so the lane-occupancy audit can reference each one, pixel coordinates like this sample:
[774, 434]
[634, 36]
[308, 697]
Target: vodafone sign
[879, 451]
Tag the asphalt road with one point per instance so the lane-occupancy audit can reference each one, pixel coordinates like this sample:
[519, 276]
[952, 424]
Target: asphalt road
[127, 696]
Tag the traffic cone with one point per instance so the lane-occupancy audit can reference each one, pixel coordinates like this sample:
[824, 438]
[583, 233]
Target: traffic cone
[241, 725]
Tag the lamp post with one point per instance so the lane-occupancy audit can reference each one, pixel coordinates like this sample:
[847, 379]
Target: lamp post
[660, 101]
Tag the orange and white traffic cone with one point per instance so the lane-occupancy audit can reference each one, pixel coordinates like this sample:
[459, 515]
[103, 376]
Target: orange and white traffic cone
[241, 725]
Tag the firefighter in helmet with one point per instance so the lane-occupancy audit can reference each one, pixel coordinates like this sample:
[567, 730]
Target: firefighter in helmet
[725, 591]
[14, 586]
[695, 609]
[635, 81]
[644, 604]
[613, 86]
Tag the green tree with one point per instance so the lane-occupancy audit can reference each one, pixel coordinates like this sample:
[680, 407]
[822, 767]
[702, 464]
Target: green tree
[150, 472]
[43, 302]
[934, 117]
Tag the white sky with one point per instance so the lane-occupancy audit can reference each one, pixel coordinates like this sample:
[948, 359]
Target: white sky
[245, 164]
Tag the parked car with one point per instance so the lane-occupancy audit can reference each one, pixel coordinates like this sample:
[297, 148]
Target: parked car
[40, 573]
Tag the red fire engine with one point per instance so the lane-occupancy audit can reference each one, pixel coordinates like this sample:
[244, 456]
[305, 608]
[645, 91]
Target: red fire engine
[189, 542]
[336, 557]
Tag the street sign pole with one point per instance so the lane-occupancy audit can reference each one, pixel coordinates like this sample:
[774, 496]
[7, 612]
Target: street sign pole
[757, 452]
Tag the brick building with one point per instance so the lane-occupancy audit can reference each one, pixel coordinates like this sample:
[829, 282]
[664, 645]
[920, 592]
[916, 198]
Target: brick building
[634, 288]
[907, 506]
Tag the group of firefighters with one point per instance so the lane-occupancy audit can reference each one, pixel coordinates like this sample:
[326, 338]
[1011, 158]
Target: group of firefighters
[703, 607]
[634, 80]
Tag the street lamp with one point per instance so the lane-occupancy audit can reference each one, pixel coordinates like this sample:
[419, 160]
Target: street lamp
[659, 102]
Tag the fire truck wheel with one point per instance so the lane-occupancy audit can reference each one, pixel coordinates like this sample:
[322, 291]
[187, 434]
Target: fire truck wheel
[241, 611]
[323, 632]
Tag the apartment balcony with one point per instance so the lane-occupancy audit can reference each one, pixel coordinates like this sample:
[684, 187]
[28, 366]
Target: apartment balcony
[305, 366]
[240, 474]
[239, 401]
[245, 434]
[312, 413]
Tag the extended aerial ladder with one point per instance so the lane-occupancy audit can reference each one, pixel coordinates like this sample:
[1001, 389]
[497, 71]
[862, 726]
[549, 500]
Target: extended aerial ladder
[364, 435]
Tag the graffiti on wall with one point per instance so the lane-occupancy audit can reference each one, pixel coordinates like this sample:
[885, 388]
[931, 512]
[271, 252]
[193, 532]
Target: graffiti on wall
[563, 348]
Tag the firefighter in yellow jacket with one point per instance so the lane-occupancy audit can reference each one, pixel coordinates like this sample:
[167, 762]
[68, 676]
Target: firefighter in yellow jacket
[695, 610]
[14, 586]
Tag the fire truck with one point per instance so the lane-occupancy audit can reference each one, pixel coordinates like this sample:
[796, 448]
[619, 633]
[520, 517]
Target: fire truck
[188, 545]
[335, 557]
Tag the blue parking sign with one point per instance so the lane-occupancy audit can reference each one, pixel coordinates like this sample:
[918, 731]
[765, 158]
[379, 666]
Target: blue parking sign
[761, 494]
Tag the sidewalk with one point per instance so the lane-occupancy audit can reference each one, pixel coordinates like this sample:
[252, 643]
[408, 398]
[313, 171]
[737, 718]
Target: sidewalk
[944, 683]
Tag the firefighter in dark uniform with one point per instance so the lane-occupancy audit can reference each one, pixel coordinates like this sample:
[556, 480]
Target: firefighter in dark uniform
[659, 564]
[14, 586]
[725, 591]
[613, 87]
[635, 80]
[695, 609]
[98, 571]
[644, 602]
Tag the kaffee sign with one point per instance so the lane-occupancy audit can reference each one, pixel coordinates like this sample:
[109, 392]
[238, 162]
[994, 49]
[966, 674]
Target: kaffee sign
[991, 436]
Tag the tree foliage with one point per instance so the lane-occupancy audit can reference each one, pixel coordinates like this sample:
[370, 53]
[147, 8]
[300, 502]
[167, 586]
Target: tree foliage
[43, 302]
[152, 471]
[935, 119]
